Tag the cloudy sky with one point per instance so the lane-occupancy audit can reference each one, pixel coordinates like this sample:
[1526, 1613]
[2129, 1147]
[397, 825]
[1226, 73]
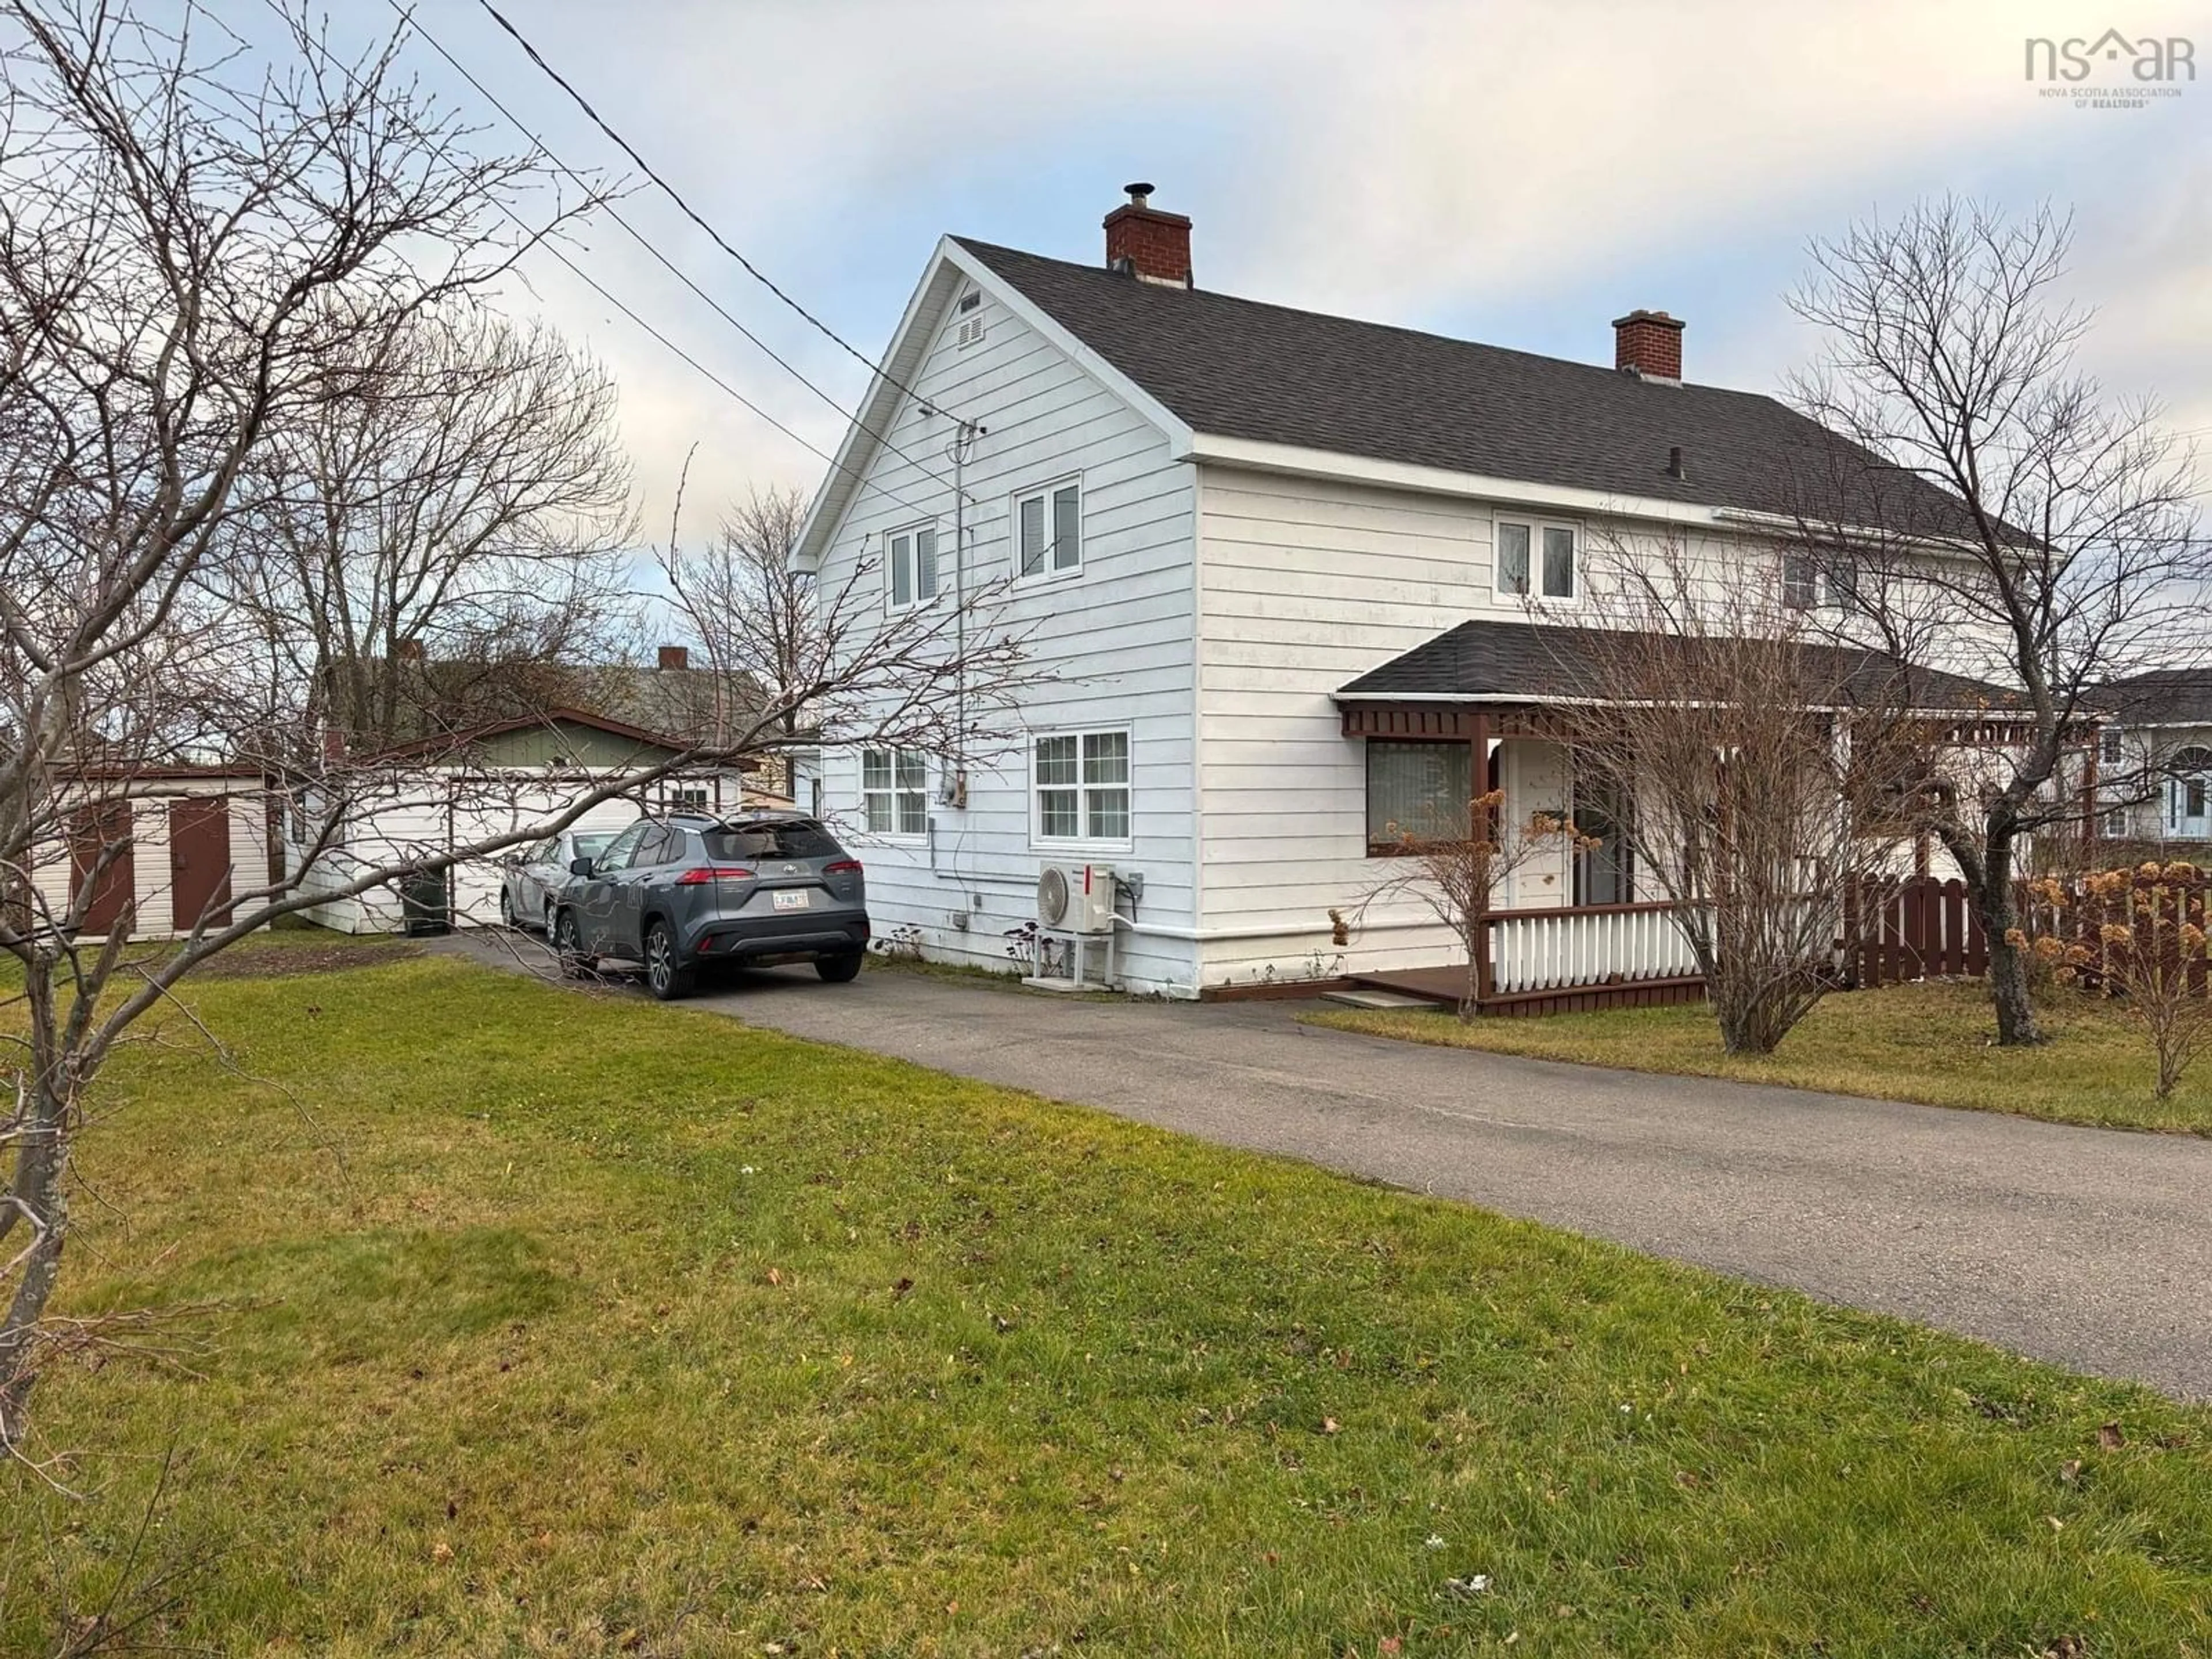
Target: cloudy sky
[1519, 172]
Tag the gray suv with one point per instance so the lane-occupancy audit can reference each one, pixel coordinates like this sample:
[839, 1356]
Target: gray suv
[685, 892]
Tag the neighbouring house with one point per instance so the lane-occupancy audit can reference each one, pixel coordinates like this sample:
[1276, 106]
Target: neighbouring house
[2156, 759]
[1295, 578]
[426, 799]
[186, 840]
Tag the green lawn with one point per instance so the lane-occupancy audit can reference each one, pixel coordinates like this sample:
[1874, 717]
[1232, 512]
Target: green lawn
[1934, 1043]
[625, 1329]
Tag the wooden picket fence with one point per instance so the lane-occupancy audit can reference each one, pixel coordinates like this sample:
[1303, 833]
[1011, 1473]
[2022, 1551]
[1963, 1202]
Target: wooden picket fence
[1917, 928]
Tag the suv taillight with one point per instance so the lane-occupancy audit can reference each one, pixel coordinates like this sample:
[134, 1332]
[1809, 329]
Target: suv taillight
[699, 875]
[841, 867]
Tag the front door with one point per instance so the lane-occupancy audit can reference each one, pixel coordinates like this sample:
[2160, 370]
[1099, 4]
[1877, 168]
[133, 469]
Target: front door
[2186, 817]
[2188, 811]
[1602, 864]
[199, 860]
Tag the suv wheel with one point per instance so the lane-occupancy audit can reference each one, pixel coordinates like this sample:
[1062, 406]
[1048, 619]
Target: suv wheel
[505, 910]
[664, 976]
[568, 946]
[838, 970]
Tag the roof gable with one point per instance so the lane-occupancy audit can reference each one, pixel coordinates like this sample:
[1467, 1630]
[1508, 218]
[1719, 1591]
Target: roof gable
[952, 270]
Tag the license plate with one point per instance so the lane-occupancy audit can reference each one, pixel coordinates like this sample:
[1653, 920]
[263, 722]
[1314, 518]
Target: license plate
[792, 900]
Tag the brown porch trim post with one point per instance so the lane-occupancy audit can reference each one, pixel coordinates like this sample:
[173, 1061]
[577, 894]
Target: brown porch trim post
[1478, 774]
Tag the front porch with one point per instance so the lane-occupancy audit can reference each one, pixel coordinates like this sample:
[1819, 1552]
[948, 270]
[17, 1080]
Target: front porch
[1563, 959]
[1493, 705]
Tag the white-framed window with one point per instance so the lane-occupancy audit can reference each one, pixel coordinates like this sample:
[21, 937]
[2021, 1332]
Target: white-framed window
[895, 792]
[1049, 531]
[2111, 746]
[1810, 581]
[1079, 782]
[1536, 560]
[911, 564]
[1800, 582]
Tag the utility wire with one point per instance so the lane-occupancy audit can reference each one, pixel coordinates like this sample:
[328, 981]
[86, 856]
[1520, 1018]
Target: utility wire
[690, 213]
[409, 20]
[601, 289]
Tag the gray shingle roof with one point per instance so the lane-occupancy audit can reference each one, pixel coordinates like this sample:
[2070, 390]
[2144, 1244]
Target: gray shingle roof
[1239, 368]
[2163, 696]
[1507, 661]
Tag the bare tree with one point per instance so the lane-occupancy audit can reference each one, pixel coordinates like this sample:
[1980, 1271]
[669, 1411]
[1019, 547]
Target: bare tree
[427, 553]
[2018, 525]
[1457, 870]
[748, 607]
[1763, 771]
[197, 266]
[2138, 936]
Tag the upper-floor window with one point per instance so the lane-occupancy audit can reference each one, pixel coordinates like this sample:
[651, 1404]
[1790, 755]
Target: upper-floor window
[1536, 560]
[2111, 746]
[1810, 580]
[1081, 784]
[912, 558]
[1049, 530]
[894, 792]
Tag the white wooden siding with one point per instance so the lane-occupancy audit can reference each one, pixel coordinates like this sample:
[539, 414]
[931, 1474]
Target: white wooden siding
[1116, 640]
[150, 875]
[415, 819]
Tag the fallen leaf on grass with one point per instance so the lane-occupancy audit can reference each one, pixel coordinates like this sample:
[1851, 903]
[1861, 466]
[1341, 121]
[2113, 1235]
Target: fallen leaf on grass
[1328, 1425]
[2110, 1437]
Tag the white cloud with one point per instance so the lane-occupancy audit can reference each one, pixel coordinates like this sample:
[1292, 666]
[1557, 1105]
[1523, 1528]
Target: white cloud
[1399, 161]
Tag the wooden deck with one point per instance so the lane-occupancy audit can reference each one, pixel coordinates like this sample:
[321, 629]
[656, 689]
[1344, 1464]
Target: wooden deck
[1446, 986]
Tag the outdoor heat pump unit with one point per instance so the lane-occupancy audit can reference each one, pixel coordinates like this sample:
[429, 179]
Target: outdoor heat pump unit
[1075, 898]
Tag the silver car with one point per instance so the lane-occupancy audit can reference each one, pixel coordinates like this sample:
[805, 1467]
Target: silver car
[684, 891]
[531, 879]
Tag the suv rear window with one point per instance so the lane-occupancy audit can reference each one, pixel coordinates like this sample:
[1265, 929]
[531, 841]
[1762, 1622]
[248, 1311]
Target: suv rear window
[771, 840]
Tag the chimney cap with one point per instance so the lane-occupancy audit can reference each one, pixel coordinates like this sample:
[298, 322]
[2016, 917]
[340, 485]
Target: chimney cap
[1640, 315]
[1139, 193]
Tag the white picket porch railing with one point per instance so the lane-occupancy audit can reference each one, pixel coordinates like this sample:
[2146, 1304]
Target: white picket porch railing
[1543, 949]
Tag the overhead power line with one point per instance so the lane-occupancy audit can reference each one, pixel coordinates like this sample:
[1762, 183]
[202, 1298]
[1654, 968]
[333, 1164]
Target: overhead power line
[601, 289]
[690, 212]
[409, 19]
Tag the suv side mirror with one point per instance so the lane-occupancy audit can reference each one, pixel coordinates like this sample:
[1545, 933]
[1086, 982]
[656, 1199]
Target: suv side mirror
[579, 866]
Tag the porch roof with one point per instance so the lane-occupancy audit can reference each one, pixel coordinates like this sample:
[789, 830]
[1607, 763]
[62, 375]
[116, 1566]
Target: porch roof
[1521, 662]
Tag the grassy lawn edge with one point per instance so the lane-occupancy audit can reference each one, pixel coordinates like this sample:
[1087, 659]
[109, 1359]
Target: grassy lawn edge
[1931, 1044]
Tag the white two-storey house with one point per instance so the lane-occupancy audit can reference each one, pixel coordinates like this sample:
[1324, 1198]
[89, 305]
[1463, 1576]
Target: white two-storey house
[1294, 579]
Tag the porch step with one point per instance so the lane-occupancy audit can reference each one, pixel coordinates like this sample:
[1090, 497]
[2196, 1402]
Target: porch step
[1363, 999]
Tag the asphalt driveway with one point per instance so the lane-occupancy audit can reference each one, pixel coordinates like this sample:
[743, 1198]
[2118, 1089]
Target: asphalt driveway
[2088, 1248]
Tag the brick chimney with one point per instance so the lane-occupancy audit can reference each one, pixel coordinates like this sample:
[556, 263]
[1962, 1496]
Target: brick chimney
[1649, 345]
[1149, 245]
[675, 656]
